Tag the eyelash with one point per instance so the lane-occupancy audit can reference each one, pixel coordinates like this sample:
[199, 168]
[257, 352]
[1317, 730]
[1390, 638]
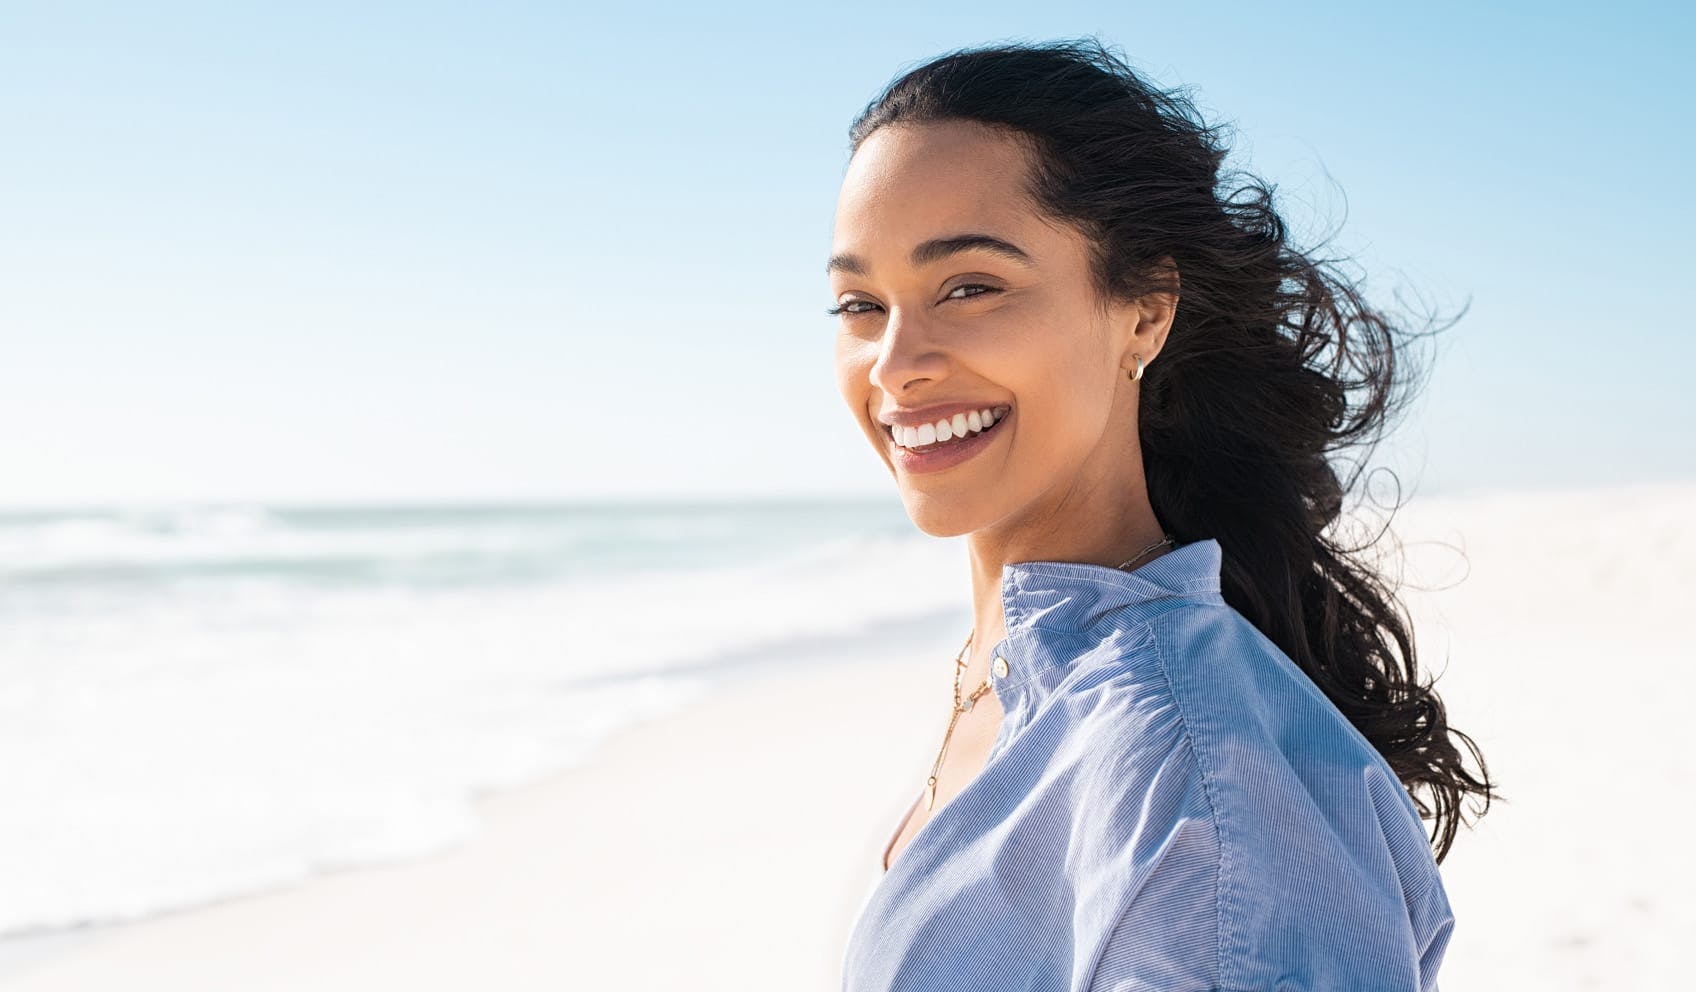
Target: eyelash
[843, 309]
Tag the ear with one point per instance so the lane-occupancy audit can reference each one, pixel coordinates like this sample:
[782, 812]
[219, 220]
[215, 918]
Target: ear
[1147, 321]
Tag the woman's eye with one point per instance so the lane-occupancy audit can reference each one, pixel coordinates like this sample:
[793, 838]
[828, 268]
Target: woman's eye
[849, 308]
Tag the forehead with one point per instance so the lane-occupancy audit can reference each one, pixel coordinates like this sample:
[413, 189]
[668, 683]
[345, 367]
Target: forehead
[910, 182]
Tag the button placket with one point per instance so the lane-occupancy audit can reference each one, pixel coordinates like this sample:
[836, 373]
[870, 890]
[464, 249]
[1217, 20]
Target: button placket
[1000, 669]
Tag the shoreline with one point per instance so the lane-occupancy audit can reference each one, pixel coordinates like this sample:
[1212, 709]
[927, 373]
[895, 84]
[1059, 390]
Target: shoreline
[759, 808]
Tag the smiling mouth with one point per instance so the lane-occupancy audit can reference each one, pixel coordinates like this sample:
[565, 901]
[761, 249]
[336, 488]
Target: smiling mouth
[889, 432]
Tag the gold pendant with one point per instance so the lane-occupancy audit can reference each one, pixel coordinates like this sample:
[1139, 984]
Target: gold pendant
[930, 794]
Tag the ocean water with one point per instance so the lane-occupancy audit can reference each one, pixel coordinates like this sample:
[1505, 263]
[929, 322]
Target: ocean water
[205, 701]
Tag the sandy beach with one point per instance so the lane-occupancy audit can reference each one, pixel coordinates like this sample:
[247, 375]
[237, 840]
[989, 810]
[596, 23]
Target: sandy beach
[724, 848]
[731, 845]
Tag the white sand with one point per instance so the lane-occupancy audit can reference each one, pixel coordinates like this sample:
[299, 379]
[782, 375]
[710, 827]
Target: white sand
[730, 847]
[726, 848]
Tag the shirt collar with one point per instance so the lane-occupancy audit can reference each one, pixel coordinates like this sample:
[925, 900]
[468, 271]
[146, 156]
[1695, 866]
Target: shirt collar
[1056, 610]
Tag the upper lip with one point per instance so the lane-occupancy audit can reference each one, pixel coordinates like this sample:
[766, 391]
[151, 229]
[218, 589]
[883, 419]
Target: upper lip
[919, 416]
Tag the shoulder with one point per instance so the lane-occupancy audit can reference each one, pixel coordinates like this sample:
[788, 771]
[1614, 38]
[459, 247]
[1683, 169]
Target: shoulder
[1241, 698]
[1305, 819]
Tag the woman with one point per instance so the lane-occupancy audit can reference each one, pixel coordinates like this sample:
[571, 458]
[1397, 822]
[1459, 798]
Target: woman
[1190, 747]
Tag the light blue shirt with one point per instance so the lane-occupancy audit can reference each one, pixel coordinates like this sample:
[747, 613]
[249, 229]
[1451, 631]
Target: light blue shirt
[1170, 805]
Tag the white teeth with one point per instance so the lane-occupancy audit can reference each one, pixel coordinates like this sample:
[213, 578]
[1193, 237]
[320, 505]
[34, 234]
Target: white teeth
[953, 428]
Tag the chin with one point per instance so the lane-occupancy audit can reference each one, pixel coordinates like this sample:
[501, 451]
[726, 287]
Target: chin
[939, 516]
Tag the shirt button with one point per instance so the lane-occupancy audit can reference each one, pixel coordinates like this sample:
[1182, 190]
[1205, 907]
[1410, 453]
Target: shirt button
[1000, 667]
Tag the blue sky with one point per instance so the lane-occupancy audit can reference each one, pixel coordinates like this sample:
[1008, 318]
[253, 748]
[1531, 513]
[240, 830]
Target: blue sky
[497, 251]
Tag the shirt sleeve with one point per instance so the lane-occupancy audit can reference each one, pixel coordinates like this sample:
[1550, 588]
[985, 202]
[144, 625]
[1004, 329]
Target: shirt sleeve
[1325, 874]
[1165, 942]
[1143, 955]
[1274, 918]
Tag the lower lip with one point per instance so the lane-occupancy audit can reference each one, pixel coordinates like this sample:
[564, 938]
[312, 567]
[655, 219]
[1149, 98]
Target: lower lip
[950, 455]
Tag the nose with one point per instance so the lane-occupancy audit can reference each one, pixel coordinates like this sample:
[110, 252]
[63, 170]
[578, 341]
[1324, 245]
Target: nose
[907, 353]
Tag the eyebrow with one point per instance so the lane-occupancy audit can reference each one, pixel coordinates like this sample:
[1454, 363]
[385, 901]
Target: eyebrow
[937, 249]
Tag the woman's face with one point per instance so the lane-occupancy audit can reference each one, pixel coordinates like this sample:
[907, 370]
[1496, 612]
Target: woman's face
[957, 295]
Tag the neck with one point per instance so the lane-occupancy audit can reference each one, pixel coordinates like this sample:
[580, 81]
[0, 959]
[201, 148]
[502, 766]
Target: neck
[1096, 539]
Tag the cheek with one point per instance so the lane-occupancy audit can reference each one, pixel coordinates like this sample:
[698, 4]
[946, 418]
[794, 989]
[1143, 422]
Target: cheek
[852, 370]
[843, 365]
[842, 359]
[1065, 395]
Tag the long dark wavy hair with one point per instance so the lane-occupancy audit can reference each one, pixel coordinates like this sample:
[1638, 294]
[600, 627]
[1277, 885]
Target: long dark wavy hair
[1274, 363]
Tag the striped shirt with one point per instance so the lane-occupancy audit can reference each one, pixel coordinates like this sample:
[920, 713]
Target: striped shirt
[1170, 804]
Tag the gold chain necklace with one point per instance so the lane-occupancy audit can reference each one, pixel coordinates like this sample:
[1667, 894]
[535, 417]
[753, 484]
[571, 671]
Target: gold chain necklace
[962, 705]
